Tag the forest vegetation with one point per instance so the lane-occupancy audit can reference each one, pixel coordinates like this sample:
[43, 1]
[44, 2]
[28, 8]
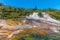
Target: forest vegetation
[10, 12]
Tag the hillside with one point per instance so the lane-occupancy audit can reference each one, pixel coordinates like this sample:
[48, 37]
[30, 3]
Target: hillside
[9, 12]
[35, 27]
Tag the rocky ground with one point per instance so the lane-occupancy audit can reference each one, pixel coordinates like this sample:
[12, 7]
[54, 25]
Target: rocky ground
[7, 28]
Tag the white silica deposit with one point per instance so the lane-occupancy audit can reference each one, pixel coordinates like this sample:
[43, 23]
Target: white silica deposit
[34, 15]
[54, 29]
[48, 18]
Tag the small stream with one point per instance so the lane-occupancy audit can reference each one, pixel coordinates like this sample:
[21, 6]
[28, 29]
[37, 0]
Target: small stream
[21, 26]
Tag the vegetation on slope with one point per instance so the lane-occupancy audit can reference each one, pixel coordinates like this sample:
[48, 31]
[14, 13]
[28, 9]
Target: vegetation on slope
[9, 12]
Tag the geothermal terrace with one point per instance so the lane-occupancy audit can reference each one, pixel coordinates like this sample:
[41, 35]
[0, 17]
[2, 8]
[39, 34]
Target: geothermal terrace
[10, 27]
